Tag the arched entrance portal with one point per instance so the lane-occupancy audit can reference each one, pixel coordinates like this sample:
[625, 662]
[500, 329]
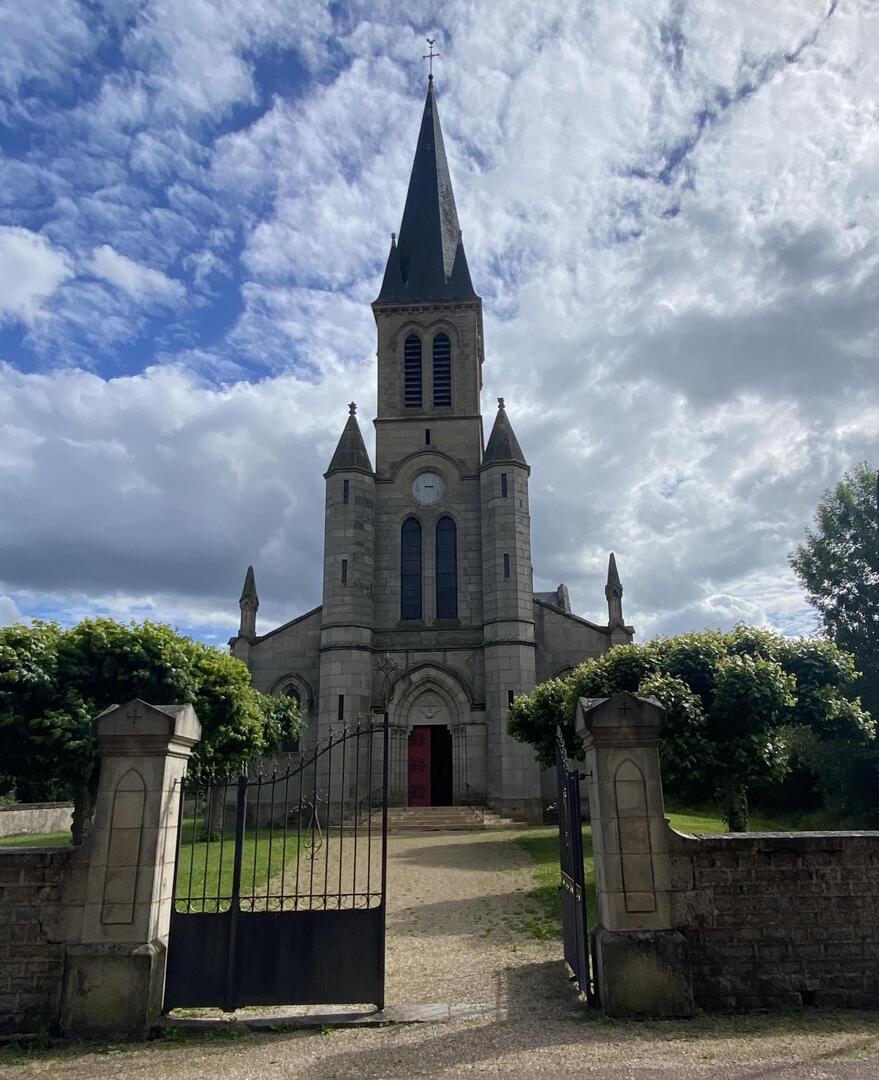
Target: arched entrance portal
[430, 779]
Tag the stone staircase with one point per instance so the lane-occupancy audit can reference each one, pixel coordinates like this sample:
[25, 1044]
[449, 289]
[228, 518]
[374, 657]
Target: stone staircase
[446, 819]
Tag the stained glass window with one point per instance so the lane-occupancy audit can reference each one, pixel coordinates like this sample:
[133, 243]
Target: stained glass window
[410, 569]
[446, 569]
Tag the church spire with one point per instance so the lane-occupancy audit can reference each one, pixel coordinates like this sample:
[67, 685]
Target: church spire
[351, 454]
[613, 591]
[427, 260]
[249, 605]
[503, 444]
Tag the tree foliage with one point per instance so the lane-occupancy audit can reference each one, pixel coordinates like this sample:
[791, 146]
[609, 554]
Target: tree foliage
[731, 699]
[54, 681]
[838, 566]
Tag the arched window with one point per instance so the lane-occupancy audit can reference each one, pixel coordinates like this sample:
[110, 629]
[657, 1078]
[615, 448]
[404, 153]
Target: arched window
[291, 746]
[412, 372]
[446, 569]
[410, 569]
[442, 370]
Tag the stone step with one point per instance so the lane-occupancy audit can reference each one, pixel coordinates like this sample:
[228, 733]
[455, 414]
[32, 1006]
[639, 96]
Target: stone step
[445, 819]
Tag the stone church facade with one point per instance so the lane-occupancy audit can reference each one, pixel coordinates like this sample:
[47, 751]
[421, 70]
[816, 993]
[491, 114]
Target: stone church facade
[427, 554]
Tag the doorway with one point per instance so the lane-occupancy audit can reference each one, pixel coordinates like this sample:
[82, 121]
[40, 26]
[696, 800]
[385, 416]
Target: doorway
[430, 765]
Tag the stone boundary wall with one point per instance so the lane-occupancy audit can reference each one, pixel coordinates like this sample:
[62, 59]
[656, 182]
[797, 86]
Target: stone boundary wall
[26, 819]
[31, 963]
[84, 930]
[778, 920]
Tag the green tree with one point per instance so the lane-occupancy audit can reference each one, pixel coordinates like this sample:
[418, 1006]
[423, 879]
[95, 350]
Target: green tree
[838, 566]
[53, 682]
[732, 701]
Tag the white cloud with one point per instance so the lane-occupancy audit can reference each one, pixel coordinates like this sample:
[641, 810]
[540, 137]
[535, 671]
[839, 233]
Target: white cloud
[140, 282]
[31, 269]
[38, 40]
[155, 491]
[9, 612]
[667, 207]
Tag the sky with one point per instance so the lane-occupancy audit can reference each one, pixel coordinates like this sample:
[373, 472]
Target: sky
[669, 208]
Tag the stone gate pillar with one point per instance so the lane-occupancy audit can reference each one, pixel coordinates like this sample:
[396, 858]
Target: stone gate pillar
[642, 963]
[114, 979]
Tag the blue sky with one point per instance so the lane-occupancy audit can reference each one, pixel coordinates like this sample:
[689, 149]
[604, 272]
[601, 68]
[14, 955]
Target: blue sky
[668, 209]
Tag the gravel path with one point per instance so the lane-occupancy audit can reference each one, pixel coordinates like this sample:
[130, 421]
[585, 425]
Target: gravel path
[458, 902]
[456, 906]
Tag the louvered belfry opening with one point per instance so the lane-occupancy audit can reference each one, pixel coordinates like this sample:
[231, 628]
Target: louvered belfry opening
[412, 372]
[442, 370]
[410, 569]
[446, 569]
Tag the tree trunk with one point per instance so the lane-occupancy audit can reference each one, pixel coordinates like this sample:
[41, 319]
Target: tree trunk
[735, 807]
[83, 809]
[214, 812]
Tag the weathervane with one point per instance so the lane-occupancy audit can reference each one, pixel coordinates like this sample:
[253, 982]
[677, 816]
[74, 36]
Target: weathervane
[430, 55]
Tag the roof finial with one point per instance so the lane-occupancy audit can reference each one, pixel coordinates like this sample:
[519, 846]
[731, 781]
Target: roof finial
[429, 56]
[352, 408]
[500, 403]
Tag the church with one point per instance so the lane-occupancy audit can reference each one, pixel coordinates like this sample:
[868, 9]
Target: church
[428, 598]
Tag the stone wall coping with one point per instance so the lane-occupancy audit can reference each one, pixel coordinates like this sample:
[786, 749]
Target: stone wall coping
[36, 854]
[689, 843]
[7, 807]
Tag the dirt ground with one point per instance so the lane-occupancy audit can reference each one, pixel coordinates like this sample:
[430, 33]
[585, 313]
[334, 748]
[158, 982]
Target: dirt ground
[459, 906]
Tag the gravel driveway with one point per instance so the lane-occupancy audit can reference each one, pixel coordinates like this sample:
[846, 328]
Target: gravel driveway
[458, 902]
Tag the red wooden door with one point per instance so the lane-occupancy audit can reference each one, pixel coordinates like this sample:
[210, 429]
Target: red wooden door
[419, 765]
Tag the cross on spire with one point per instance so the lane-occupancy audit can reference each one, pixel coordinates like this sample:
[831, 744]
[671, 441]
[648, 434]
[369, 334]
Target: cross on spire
[352, 408]
[430, 56]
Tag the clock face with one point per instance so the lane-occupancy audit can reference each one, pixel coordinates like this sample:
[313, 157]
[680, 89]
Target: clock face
[428, 487]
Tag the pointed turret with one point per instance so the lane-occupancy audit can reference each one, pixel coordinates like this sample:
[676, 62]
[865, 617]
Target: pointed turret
[249, 605]
[613, 590]
[427, 261]
[351, 454]
[503, 446]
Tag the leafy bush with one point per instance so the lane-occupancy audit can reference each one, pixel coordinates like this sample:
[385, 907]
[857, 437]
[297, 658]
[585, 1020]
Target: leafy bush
[53, 682]
[736, 706]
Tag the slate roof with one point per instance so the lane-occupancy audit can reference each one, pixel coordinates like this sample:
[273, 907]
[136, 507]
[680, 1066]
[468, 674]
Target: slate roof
[558, 598]
[351, 452]
[427, 260]
[503, 444]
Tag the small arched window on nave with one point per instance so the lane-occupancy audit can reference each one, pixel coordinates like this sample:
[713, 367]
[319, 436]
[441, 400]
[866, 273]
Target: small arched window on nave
[410, 569]
[412, 372]
[442, 370]
[291, 746]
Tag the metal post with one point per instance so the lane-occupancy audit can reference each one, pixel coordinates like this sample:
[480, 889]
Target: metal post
[384, 914]
[234, 907]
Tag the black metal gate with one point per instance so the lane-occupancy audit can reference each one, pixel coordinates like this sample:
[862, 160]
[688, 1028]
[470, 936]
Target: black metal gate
[572, 886]
[281, 882]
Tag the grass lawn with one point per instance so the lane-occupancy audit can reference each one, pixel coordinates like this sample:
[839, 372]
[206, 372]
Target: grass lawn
[204, 870]
[205, 867]
[43, 839]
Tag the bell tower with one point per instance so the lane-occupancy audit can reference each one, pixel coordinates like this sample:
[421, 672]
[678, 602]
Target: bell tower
[429, 321]
[428, 445]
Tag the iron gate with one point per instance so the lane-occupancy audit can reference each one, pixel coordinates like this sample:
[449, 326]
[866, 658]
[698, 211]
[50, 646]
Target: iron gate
[281, 882]
[572, 886]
